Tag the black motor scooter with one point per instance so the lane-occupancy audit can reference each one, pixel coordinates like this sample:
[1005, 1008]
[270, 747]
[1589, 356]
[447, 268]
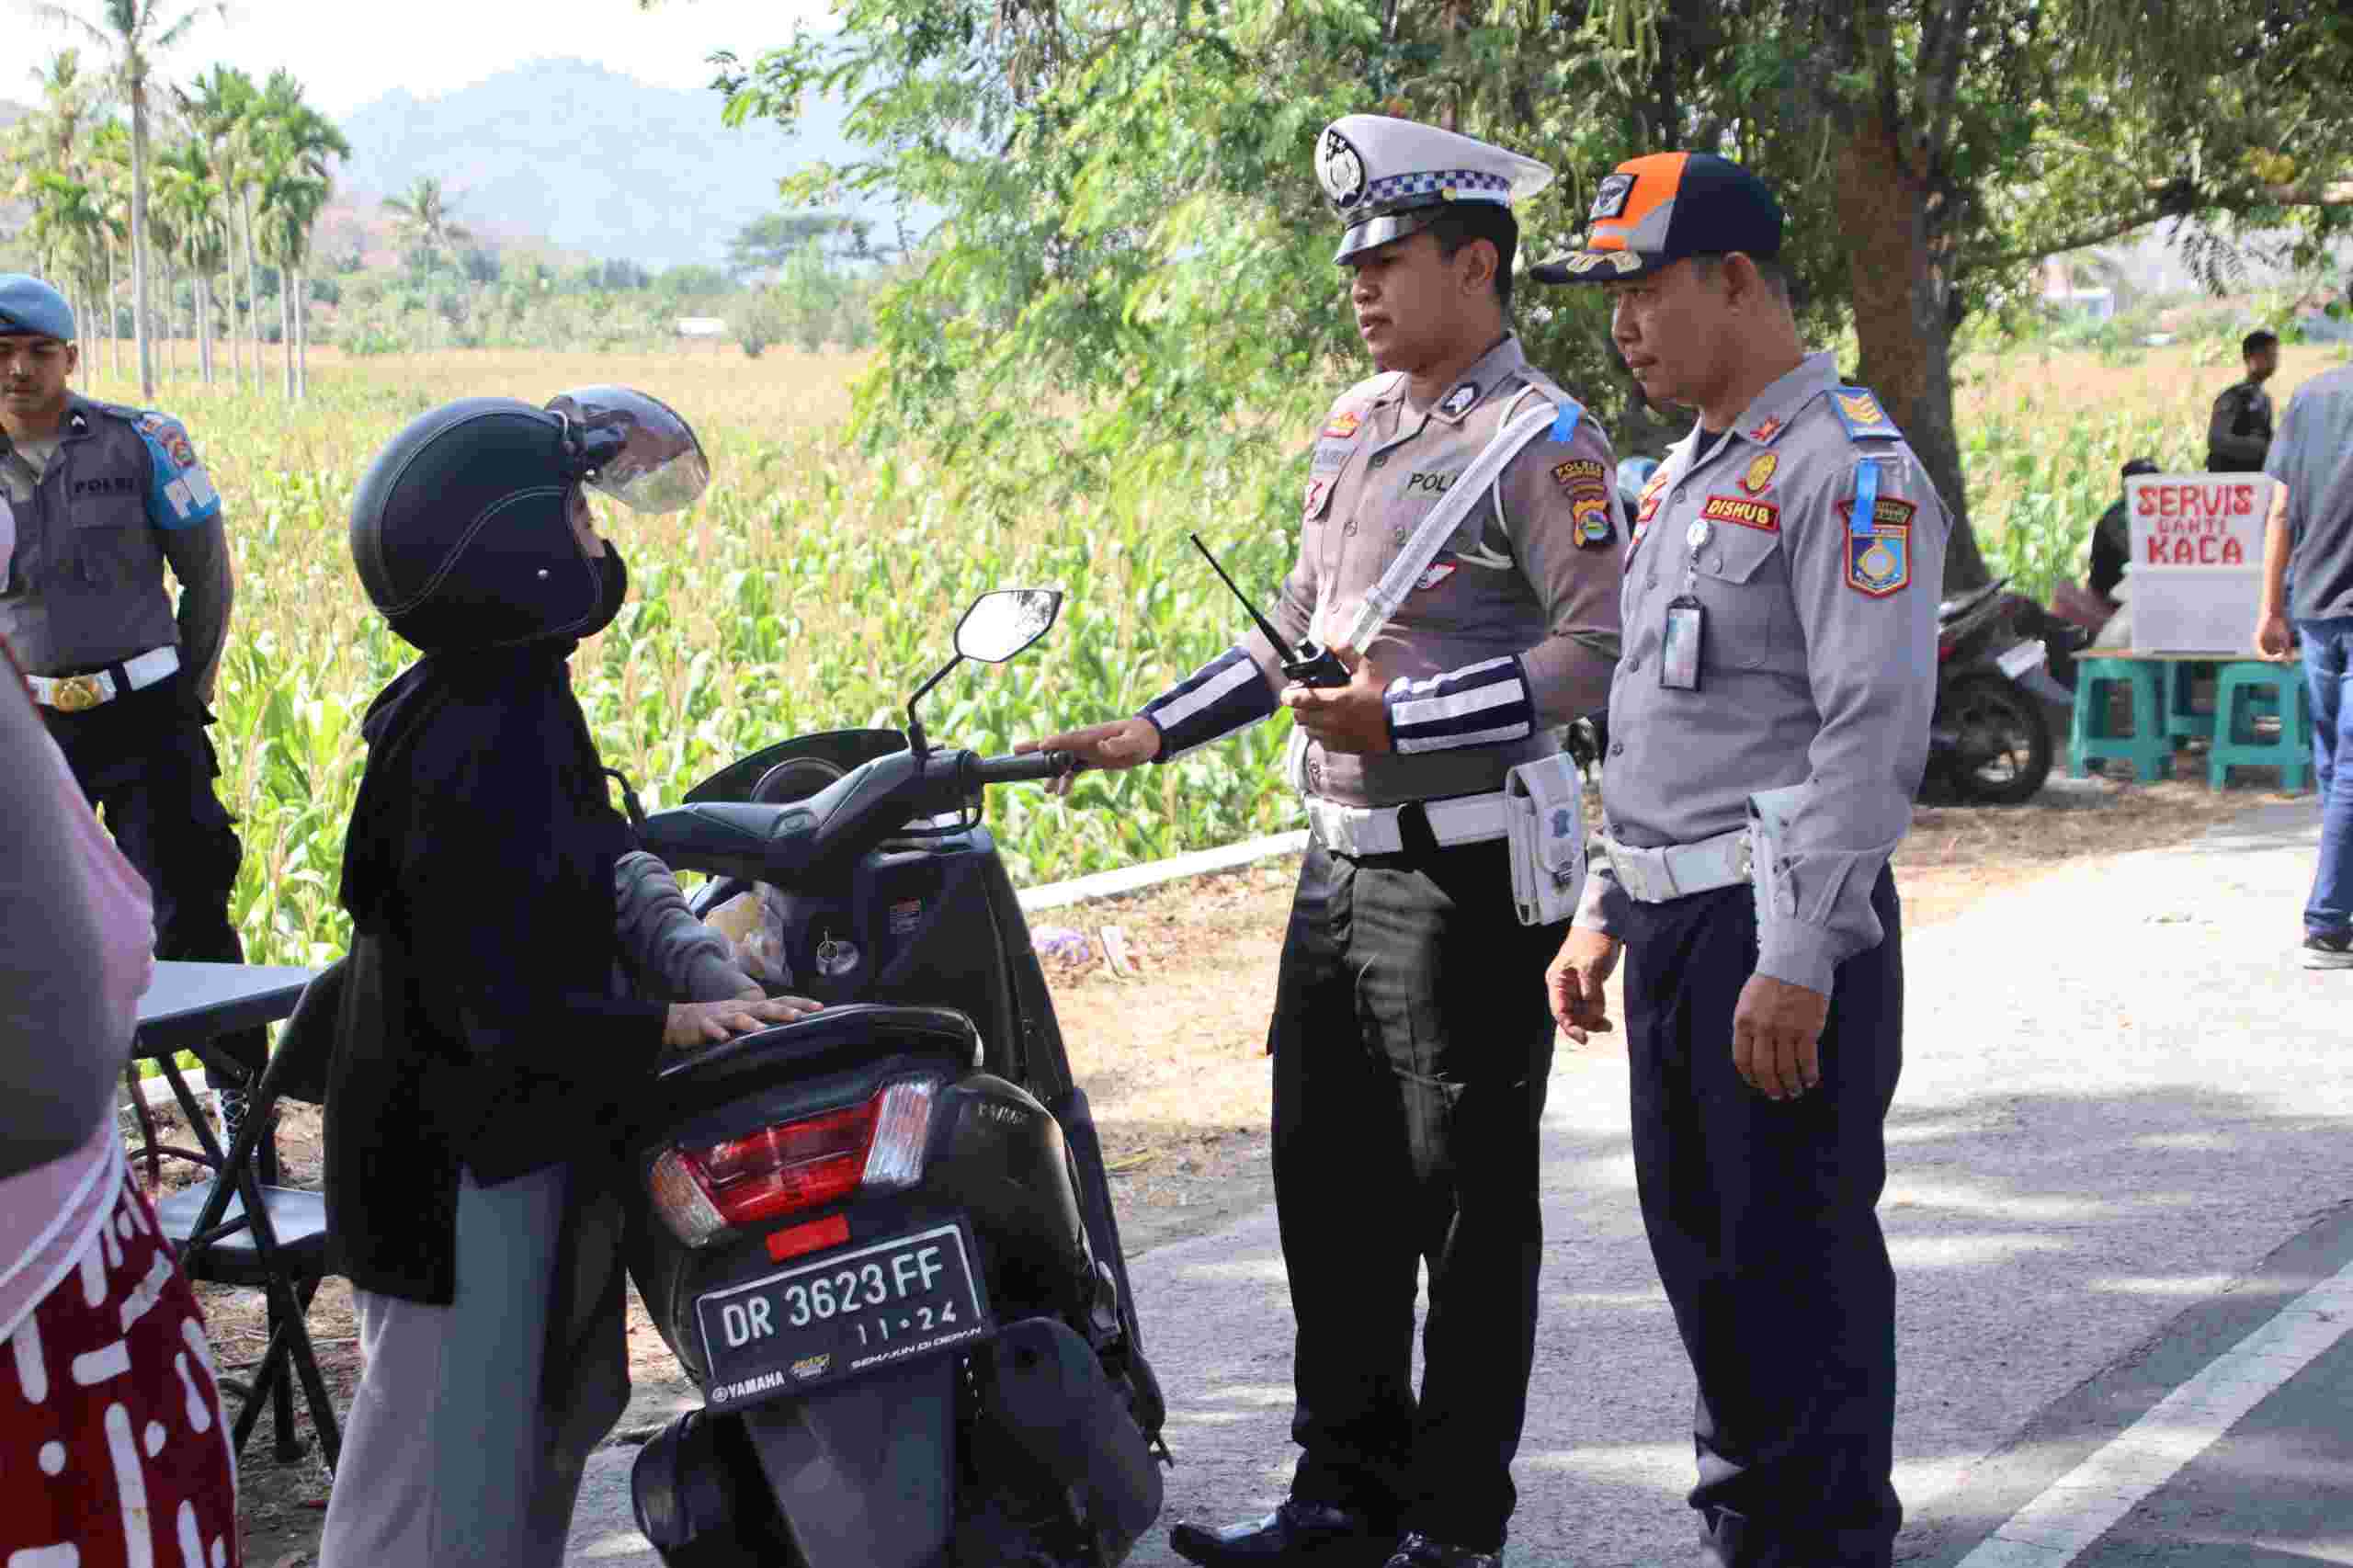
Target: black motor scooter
[881, 1239]
[1990, 738]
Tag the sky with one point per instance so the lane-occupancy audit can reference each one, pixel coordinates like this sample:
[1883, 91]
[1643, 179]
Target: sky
[348, 55]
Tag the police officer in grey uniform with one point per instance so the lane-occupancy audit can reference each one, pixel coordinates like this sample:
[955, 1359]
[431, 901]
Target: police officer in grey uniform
[1767, 726]
[1410, 1039]
[100, 500]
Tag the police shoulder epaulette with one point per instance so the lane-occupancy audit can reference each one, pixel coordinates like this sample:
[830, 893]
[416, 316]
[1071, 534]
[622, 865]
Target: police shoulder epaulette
[1567, 410]
[1860, 412]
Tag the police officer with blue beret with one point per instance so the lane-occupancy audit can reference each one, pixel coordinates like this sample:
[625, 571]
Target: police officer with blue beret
[99, 501]
[1458, 549]
[1768, 725]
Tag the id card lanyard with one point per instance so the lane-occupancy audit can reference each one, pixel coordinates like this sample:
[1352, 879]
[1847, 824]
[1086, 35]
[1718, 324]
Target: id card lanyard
[1679, 647]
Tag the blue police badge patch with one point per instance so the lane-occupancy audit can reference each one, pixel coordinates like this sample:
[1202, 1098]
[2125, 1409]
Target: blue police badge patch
[1879, 563]
[1564, 822]
[1460, 400]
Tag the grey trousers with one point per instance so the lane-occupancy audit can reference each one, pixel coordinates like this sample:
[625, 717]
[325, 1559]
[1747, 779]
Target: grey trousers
[448, 1457]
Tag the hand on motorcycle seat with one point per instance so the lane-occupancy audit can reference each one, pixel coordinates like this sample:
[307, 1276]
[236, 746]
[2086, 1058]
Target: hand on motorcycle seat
[707, 1023]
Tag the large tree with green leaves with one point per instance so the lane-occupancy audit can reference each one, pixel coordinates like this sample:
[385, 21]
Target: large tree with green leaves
[1132, 219]
[134, 34]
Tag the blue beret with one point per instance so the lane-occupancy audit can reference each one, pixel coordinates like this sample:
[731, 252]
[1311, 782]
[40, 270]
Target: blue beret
[28, 305]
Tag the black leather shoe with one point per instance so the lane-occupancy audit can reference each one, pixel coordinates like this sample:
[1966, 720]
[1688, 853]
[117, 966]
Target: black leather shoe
[1418, 1550]
[1295, 1534]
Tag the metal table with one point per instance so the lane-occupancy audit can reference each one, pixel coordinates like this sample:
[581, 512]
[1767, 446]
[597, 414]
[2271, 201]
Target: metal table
[188, 1005]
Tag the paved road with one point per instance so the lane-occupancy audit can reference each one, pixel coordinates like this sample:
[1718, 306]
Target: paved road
[2122, 1102]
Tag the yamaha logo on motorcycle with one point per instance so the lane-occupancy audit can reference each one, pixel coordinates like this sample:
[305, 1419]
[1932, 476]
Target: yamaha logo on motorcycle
[881, 1239]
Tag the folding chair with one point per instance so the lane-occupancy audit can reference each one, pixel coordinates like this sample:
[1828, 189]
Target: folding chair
[282, 1249]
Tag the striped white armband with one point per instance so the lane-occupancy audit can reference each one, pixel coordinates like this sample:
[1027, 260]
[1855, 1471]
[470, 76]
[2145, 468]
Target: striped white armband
[1213, 701]
[1479, 704]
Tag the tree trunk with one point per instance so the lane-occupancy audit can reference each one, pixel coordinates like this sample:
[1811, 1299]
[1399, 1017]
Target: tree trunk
[253, 283]
[301, 335]
[202, 288]
[1901, 325]
[286, 327]
[140, 303]
[236, 350]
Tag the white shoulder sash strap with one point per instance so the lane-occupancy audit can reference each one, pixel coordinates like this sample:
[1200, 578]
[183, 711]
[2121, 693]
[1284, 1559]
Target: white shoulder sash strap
[1447, 516]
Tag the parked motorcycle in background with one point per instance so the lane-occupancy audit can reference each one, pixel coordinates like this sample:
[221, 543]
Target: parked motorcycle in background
[1990, 738]
[879, 1240]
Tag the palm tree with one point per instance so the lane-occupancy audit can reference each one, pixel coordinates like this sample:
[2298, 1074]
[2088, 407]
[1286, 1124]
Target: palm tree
[423, 218]
[70, 229]
[191, 197]
[217, 108]
[135, 33]
[298, 144]
[106, 171]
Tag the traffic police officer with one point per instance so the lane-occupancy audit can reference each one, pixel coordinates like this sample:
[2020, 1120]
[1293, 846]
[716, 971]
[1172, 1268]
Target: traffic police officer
[101, 499]
[1410, 1039]
[1780, 610]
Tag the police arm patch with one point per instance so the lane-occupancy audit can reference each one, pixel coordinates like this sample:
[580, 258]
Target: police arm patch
[1879, 558]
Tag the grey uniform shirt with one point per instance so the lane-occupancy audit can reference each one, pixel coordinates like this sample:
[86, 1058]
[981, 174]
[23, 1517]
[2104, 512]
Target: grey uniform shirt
[1817, 664]
[1513, 627]
[2314, 458]
[95, 521]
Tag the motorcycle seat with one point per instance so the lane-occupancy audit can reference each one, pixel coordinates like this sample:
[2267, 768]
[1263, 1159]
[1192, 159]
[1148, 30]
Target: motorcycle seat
[859, 1030]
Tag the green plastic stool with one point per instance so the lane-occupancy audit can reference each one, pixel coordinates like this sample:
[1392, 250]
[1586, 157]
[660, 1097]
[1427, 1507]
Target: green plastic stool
[2185, 721]
[2148, 748]
[2251, 688]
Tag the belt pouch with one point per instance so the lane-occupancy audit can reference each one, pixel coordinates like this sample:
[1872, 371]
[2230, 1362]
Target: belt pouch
[1544, 826]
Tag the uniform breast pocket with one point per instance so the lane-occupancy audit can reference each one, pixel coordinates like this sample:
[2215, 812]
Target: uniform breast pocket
[1743, 580]
[109, 539]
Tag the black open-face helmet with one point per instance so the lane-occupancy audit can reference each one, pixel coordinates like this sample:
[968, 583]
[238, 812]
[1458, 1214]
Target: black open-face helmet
[461, 528]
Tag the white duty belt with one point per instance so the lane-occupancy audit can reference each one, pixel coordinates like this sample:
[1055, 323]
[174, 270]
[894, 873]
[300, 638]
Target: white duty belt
[75, 694]
[1679, 871]
[1377, 830]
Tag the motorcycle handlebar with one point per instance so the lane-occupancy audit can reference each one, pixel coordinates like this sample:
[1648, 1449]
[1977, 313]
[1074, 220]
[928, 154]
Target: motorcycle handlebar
[1036, 765]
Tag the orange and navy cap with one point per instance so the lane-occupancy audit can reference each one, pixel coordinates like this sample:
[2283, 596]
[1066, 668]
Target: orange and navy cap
[1654, 210]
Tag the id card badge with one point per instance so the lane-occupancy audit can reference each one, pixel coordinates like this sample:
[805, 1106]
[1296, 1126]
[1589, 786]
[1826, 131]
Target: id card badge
[1679, 648]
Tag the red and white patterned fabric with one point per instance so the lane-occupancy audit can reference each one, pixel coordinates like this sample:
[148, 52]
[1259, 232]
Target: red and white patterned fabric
[114, 1446]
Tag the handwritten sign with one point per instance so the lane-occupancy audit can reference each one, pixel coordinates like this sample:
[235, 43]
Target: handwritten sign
[2197, 558]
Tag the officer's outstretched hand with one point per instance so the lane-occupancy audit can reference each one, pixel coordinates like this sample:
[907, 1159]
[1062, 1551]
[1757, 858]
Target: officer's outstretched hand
[1122, 743]
[1575, 980]
[1777, 1037]
[1352, 717]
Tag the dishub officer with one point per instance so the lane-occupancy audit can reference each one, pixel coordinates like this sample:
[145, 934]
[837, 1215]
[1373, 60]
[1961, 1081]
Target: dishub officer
[1459, 550]
[1770, 723]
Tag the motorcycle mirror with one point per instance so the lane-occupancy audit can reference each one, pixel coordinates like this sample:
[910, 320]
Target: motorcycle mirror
[1001, 624]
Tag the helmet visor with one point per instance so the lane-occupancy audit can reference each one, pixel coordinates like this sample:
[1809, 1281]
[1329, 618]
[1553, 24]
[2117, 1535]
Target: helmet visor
[634, 448]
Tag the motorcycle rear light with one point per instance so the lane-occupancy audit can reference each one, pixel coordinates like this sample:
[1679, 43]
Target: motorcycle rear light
[702, 1192]
[789, 1167]
[678, 1196]
[902, 1125]
[814, 1237]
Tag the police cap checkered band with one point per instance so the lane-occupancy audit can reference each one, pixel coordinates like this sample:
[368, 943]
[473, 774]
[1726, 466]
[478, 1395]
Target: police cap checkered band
[1653, 211]
[31, 308]
[1387, 178]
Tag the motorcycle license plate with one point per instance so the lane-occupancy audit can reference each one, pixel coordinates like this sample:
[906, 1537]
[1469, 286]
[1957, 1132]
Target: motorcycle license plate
[2020, 659]
[833, 1317]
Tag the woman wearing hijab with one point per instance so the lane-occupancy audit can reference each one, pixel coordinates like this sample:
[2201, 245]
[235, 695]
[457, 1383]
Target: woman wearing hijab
[493, 1033]
[113, 1448]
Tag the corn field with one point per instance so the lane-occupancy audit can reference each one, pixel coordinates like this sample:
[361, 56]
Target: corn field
[816, 585]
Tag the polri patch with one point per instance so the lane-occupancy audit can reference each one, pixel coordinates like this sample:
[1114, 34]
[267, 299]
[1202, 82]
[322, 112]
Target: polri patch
[1340, 168]
[1592, 522]
[1762, 516]
[1460, 400]
[1566, 474]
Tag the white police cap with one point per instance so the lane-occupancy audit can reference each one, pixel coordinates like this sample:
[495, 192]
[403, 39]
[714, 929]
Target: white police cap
[1388, 179]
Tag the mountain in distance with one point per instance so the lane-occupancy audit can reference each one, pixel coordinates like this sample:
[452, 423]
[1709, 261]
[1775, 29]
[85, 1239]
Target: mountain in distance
[587, 159]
